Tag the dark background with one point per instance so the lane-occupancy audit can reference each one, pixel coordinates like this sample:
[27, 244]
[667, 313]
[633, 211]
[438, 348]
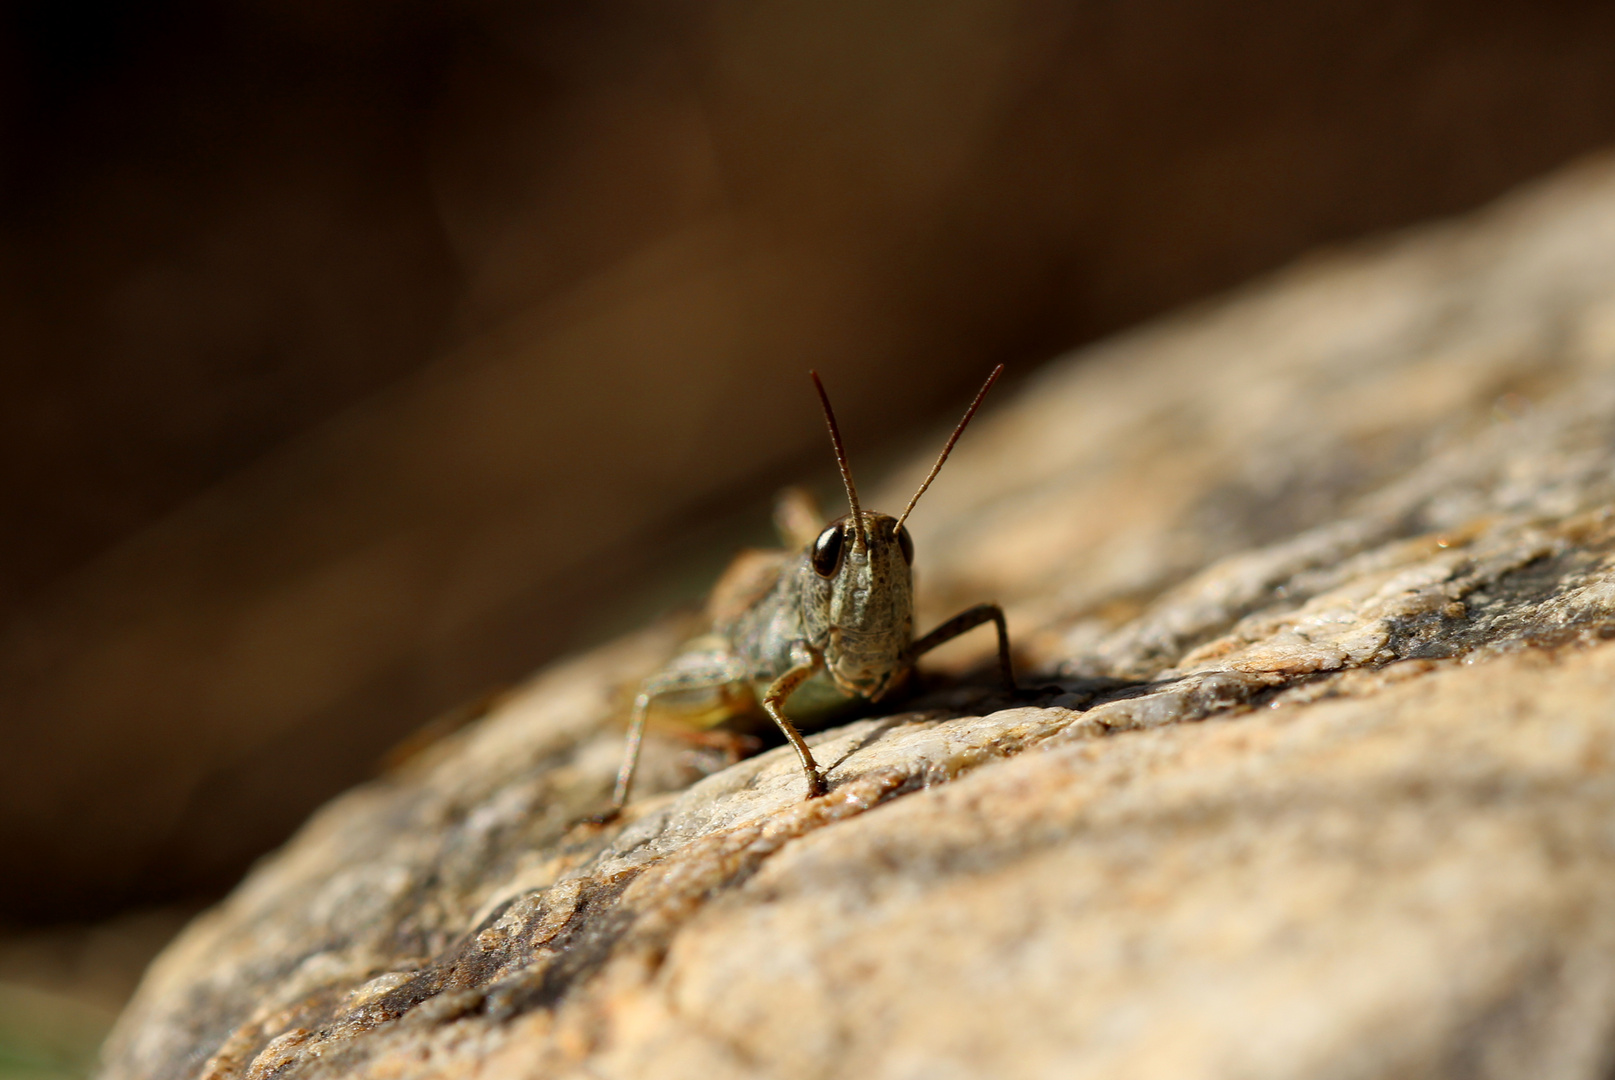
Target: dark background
[359, 357]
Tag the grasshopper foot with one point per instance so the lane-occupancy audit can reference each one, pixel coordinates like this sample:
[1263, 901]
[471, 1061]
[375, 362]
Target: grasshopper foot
[605, 817]
[816, 784]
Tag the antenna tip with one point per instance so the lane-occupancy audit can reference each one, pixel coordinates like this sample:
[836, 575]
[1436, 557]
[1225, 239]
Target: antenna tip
[948, 449]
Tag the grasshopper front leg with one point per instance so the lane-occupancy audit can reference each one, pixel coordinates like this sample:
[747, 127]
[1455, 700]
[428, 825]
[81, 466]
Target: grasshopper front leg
[966, 620]
[774, 704]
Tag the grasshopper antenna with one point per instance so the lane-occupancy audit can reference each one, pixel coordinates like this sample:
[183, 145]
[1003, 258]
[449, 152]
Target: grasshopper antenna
[946, 450]
[841, 461]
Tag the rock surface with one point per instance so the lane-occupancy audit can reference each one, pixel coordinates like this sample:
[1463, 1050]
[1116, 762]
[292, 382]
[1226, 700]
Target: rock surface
[1358, 522]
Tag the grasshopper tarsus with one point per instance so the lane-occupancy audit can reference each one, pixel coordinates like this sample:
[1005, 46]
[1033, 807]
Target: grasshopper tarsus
[838, 618]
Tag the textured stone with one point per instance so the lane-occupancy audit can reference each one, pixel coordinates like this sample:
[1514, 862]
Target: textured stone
[1357, 521]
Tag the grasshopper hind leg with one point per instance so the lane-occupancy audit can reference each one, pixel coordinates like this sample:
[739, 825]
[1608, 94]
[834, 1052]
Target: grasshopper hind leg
[698, 672]
[797, 518]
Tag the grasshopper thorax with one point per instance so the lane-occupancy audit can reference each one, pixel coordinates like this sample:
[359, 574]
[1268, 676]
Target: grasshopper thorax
[857, 594]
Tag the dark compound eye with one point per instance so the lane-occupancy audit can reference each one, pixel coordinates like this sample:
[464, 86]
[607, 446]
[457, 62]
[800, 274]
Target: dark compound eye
[827, 552]
[906, 543]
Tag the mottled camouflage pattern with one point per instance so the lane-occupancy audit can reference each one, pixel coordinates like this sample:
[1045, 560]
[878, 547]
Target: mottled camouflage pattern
[860, 621]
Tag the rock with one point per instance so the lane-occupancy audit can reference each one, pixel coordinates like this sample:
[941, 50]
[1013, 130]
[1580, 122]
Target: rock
[1323, 579]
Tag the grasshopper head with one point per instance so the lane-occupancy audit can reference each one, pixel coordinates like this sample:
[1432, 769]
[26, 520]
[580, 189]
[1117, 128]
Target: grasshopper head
[858, 601]
[857, 582]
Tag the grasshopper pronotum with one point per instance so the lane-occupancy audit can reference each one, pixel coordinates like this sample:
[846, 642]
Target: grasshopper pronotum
[811, 631]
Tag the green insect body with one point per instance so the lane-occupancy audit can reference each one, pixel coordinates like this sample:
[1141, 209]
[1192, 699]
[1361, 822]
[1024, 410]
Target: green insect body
[813, 632]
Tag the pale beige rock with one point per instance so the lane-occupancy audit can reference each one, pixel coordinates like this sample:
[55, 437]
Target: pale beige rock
[1358, 520]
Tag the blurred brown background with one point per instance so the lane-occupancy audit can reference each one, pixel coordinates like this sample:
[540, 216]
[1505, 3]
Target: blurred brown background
[359, 357]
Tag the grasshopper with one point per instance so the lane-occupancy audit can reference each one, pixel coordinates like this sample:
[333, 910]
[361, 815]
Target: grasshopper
[813, 632]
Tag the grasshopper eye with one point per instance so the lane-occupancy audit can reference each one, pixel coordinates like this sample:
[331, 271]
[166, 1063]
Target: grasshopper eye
[905, 544]
[826, 556]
